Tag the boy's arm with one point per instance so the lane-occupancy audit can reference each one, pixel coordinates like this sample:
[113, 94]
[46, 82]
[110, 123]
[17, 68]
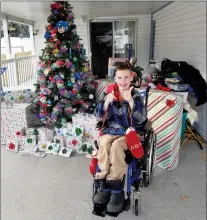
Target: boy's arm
[101, 108]
[139, 111]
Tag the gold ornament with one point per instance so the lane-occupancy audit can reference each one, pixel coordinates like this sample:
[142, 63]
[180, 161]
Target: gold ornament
[55, 51]
[86, 69]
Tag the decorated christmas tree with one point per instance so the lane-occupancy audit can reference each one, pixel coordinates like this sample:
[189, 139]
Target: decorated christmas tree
[65, 84]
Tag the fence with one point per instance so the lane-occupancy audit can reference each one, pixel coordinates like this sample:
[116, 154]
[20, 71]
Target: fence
[20, 72]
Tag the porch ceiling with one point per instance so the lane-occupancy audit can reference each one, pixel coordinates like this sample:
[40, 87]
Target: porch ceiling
[39, 11]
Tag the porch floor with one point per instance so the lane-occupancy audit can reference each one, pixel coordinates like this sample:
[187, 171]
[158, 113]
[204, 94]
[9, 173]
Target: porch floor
[60, 188]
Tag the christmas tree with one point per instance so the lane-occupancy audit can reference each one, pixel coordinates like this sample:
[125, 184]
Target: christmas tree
[65, 84]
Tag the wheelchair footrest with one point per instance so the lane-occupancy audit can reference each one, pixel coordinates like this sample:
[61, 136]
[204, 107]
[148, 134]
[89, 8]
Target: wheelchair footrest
[100, 210]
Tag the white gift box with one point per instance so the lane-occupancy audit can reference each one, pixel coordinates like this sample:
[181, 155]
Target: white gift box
[42, 145]
[52, 148]
[45, 134]
[12, 146]
[73, 142]
[66, 152]
[59, 140]
[32, 131]
[28, 150]
[77, 131]
[25, 141]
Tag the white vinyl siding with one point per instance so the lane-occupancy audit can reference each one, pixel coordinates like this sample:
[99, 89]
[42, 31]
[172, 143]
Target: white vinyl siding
[180, 35]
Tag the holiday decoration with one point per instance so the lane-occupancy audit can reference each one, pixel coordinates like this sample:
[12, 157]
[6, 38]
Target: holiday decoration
[42, 145]
[12, 145]
[62, 26]
[66, 152]
[64, 79]
[73, 142]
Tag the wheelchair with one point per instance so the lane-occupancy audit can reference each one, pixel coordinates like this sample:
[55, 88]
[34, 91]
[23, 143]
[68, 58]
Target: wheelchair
[140, 171]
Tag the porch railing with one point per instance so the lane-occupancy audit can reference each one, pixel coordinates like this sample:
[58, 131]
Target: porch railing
[20, 72]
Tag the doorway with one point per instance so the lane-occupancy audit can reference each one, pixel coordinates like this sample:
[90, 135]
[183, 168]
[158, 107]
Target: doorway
[111, 39]
[101, 47]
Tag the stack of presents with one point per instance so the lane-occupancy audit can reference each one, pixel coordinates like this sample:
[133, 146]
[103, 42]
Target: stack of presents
[40, 141]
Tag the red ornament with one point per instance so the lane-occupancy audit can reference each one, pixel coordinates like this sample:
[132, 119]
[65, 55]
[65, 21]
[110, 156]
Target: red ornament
[74, 91]
[74, 142]
[18, 133]
[55, 5]
[11, 146]
[60, 62]
[49, 27]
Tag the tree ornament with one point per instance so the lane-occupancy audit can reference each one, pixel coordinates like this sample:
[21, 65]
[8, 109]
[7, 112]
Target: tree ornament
[62, 26]
[53, 34]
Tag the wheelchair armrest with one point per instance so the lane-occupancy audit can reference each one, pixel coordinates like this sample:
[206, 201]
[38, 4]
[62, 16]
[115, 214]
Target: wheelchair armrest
[147, 126]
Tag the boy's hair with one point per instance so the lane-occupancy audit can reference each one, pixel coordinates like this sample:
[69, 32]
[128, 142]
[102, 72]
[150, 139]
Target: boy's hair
[122, 67]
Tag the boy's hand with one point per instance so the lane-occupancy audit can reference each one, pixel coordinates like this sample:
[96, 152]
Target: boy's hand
[127, 95]
[110, 97]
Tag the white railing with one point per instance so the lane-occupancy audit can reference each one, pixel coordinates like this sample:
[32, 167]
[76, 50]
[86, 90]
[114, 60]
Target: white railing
[21, 72]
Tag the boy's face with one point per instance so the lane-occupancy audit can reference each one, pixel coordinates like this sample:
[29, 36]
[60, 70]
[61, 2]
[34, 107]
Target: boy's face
[123, 79]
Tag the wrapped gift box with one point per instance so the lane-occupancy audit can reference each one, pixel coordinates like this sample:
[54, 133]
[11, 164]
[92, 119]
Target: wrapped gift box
[28, 150]
[73, 142]
[77, 130]
[12, 120]
[166, 121]
[12, 146]
[59, 140]
[27, 141]
[66, 152]
[102, 86]
[45, 133]
[18, 96]
[85, 148]
[42, 145]
[16, 119]
[52, 148]
[32, 131]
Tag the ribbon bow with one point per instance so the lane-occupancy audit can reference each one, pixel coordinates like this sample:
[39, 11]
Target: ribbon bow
[11, 146]
[84, 147]
[50, 147]
[29, 140]
[57, 141]
[36, 132]
[18, 133]
[78, 131]
[64, 151]
[170, 103]
[74, 142]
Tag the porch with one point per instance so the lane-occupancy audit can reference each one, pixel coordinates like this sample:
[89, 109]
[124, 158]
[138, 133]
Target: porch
[30, 186]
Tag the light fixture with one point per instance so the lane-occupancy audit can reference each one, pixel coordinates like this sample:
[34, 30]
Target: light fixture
[35, 32]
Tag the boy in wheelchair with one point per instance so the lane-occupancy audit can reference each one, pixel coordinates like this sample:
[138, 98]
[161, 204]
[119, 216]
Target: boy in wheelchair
[116, 108]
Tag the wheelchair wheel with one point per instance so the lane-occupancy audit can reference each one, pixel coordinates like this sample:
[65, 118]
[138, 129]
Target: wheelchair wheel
[136, 207]
[95, 190]
[150, 160]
